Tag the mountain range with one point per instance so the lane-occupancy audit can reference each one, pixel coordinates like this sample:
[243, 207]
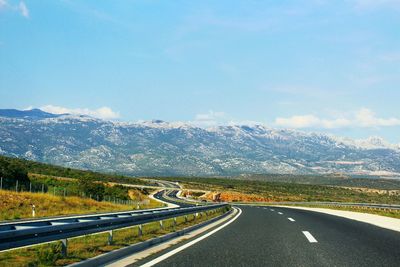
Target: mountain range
[158, 148]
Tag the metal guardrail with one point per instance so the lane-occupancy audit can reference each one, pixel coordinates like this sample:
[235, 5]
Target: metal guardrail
[14, 235]
[342, 204]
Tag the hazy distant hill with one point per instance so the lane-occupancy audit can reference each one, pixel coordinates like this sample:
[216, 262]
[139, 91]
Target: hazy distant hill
[161, 148]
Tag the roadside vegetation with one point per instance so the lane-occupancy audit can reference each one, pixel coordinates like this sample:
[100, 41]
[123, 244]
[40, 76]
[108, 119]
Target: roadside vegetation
[89, 246]
[342, 180]
[20, 188]
[235, 190]
[14, 168]
[19, 205]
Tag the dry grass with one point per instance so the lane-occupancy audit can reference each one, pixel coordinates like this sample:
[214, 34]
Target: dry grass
[92, 245]
[18, 205]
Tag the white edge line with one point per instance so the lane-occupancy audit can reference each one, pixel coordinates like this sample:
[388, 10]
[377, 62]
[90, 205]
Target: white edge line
[172, 252]
[309, 236]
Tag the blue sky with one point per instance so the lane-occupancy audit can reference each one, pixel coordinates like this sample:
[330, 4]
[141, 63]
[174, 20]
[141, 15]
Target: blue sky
[315, 65]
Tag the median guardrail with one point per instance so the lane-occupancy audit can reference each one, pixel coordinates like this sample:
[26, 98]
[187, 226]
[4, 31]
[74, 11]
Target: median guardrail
[14, 235]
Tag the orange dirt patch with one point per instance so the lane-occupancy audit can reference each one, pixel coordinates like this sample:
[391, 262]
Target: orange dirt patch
[231, 196]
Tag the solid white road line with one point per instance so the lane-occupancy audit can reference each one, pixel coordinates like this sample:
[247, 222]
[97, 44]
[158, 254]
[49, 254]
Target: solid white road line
[172, 252]
[290, 219]
[280, 213]
[309, 236]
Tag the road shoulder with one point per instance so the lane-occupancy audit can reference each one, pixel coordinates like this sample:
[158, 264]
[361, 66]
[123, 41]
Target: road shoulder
[377, 220]
[153, 252]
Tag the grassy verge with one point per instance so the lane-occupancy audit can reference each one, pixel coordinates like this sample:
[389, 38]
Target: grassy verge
[92, 245]
[260, 191]
[15, 205]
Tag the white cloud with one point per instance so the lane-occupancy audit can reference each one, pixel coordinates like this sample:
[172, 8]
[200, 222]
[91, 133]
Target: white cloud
[362, 118]
[211, 118]
[20, 7]
[390, 57]
[367, 118]
[102, 113]
[311, 121]
[23, 9]
[374, 4]
[3, 3]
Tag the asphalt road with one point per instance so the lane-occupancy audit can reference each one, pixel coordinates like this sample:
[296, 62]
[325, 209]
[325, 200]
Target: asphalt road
[172, 195]
[262, 237]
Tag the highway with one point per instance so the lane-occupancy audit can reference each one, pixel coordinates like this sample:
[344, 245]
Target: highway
[169, 196]
[26, 233]
[271, 236]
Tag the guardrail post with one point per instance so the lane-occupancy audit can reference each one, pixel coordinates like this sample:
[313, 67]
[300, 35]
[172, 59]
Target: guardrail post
[110, 237]
[140, 230]
[174, 223]
[64, 247]
[161, 225]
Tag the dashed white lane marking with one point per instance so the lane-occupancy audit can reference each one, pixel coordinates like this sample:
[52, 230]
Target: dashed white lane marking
[272, 209]
[310, 238]
[172, 252]
[280, 213]
[291, 219]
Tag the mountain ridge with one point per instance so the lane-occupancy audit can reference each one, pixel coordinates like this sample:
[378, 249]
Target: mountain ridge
[154, 148]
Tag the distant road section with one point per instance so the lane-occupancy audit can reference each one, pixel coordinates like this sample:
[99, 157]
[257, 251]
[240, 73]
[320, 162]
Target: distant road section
[277, 236]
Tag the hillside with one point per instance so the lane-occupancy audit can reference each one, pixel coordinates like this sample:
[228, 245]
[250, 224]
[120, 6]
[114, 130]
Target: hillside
[19, 168]
[19, 205]
[160, 149]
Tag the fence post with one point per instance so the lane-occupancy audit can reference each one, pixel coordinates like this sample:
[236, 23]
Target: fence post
[140, 230]
[161, 225]
[42, 188]
[1, 183]
[174, 223]
[54, 191]
[64, 247]
[110, 237]
[16, 187]
[30, 187]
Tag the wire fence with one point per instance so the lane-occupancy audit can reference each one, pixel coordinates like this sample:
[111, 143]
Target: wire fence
[61, 191]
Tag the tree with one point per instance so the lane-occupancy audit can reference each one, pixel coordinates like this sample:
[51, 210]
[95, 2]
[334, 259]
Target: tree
[12, 171]
[92, 188]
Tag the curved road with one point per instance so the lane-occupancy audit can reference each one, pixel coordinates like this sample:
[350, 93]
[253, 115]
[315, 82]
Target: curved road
[274, 237]
[171, 195]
